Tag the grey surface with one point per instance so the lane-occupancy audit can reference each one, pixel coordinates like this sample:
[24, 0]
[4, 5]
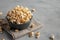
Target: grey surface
[47, 13]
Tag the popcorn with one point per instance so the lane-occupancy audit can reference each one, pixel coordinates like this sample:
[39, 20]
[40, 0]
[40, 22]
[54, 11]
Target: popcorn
[19, 15]
[16, 30]
[52, 36]
[37, 35]
[31, 34]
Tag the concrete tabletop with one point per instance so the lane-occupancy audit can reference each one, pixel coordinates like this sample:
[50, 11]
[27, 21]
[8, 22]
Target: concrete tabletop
[47, 13]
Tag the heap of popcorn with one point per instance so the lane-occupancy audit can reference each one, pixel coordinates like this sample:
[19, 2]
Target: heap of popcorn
[19, 15]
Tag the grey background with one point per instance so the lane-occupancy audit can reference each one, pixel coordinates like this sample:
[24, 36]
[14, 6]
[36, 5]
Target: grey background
[47, 13]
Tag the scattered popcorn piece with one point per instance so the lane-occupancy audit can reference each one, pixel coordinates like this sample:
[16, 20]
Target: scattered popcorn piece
[32, 25]
[37, 35]
[31, 34]
[33, 10]
[52, 36]
[1, 13]
[16, 30]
